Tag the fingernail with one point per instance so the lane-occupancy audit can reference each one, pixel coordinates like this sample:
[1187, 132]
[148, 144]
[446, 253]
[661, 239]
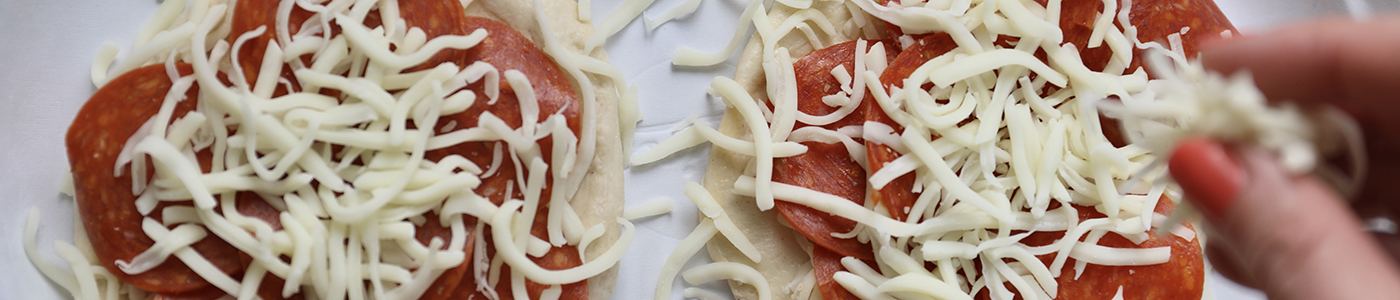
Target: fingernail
[1209, 176]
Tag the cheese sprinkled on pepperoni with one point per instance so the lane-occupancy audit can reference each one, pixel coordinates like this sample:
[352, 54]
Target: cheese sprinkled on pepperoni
[346, 149]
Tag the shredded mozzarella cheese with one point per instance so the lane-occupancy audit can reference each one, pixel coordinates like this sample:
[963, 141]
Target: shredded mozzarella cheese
[655, 207]
[685, 249]
[730, 271]
[676, 12]
[711, 209]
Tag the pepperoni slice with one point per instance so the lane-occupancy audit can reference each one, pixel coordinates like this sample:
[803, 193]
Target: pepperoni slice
[248, 15]
[434, 17]
[1184, 273]
[269, 289]
[446, 284]
[207, 293]
[557, 258]
[898, 195]
[438, 18]
[252, 205]
[825, 264]
[507, 49]
[815, 81]
[886, 28]
[105, 202]
[825, 167]
[1154, 19]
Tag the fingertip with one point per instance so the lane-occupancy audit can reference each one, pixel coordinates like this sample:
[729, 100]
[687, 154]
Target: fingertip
[1217, 52]
[1206, 172]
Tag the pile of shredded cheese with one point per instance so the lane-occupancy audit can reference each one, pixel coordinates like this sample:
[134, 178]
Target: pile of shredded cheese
[348, 176]
[979, 181]
[1192, 101]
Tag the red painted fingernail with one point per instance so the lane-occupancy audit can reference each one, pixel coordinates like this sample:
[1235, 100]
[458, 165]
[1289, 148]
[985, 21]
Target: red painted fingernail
[1206, 172]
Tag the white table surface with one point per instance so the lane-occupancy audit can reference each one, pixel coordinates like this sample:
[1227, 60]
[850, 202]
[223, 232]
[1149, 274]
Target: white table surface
[48, 47]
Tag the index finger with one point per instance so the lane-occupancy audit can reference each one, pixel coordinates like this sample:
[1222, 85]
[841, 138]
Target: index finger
[1350, 64]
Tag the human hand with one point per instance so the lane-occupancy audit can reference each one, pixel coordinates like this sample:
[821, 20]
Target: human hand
[1293, 236]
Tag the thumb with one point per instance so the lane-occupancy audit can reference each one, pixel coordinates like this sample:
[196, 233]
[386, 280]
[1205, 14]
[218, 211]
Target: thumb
[1290, 236]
